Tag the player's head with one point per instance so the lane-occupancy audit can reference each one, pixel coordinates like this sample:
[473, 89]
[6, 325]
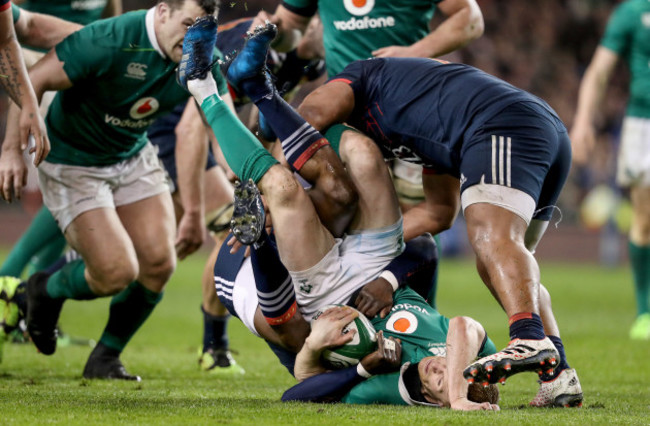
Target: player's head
[173, 17]
[425, 383]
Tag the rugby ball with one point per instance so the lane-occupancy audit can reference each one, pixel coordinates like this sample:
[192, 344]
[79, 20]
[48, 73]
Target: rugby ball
[363, 342]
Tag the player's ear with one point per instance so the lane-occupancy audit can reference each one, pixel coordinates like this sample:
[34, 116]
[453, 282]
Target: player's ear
[163, 11]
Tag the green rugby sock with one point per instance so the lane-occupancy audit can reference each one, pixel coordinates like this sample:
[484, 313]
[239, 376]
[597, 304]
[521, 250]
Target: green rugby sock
[245, 155]
[70, 283]
[42, 232]
[47, 256]
[640, 262]
[129, 310]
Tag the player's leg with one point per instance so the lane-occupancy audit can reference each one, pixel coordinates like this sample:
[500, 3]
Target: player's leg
[42, 236]
[378, 205]
[89, 205]
[632, 172]
[215, 354]
[499, 202]
[305, 149]
[302, 240]
[149, 223]
[639, 249]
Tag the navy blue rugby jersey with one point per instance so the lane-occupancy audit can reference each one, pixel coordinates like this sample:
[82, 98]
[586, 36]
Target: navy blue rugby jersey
[422, 110]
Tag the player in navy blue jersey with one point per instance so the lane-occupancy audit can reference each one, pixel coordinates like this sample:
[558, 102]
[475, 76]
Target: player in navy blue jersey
[503, 150]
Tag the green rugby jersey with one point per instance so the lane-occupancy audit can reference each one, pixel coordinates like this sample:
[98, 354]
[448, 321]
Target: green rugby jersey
[423, 332]
[353, 29]
[79, 11]
[121, 83]
[628, 34]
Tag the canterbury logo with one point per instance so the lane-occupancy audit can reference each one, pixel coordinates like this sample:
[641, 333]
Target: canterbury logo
[501, 149]
[136, 70]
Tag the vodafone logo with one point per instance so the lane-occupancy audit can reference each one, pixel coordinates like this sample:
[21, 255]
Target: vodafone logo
[402, 322]
[144, 107]
[359, 7]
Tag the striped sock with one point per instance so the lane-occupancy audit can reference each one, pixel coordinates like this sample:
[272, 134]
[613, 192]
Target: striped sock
[299, 139]
[274, 287]
[526, 325]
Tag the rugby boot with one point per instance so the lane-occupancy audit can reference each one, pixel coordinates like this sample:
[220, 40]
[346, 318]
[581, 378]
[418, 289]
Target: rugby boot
[9, 312]
[42, 314]
[248, 218]
[198, 47]
[104, 364]
[641, 328]
[519, 356]
[220, 362]
[563, 391]
[248, 71]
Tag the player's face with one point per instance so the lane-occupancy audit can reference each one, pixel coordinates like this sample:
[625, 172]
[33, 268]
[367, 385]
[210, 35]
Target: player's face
[433, 375]
[173, 26]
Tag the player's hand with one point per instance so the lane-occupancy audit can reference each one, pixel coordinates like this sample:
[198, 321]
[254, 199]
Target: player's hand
[387, 357]
[13, 174]
[190, 234]
[261, 18]
[583, 140]
[327, 329]
[376, 297]
[464, 404]
[31, 124]
[395, 52]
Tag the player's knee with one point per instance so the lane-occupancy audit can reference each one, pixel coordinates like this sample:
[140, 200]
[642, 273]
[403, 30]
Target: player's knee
[361, 154]
[280, 187]
[113, 277]
[158, 269]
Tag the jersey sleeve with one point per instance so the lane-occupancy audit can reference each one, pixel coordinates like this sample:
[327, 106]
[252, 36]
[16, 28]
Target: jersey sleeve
[487, 348]
[92, 62]
[15, 12]
[381, 389]
[301, 7]
[326, 387]
[620, 28]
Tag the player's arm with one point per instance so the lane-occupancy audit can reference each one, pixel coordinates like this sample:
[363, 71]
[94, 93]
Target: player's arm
[415, 267]
[191, 152]
[112, 8]
[47, 74]
[329, 104]
[463, 23]
[465, 340]
[291, 27]
[439, 209]
[331, 386]
[592, 90]
[24, 114]
[42, 31]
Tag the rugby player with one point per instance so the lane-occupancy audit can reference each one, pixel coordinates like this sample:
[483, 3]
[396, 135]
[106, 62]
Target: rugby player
[123, 228]
[381, 28]
[503, 153]
[626, 37]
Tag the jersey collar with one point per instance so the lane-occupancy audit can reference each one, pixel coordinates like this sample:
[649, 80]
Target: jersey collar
[151, 32]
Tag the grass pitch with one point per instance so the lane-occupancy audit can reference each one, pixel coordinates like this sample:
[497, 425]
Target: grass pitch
[594, 307]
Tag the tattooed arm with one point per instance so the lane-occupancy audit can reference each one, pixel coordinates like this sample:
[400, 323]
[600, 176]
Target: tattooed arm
[13, 76]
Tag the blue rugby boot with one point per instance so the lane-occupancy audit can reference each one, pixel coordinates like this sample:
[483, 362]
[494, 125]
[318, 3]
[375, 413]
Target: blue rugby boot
[198, 47]
[248, 218]
[248, 71]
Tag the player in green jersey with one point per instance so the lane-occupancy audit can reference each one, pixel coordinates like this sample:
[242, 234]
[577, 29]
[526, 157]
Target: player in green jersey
[79, 11]
[354, 30]
[380, 28]
[432, 352]
[102, 180]
[627, 37]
